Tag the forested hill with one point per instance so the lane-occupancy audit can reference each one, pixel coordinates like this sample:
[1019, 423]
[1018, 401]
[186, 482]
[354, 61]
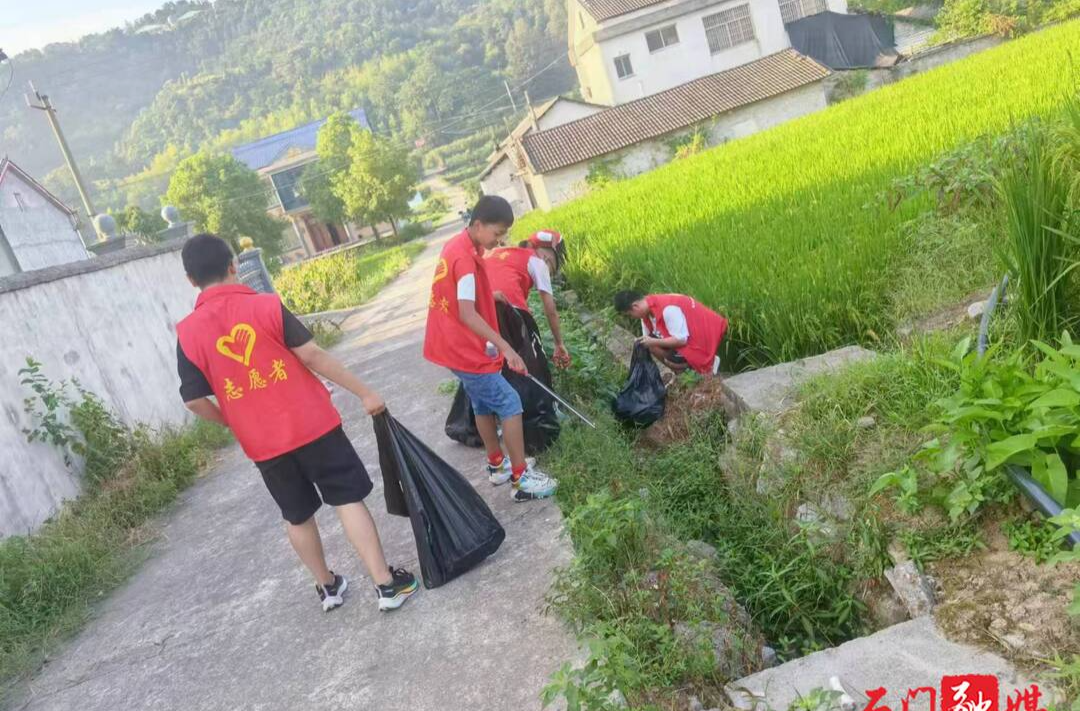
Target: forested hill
[214, 74]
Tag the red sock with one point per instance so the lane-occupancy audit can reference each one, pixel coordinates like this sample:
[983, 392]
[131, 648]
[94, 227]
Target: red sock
[516, 472]
[496, 459]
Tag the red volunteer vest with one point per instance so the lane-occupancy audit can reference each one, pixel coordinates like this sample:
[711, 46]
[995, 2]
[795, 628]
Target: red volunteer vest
[706, 327]
[508, 271]
[271, 401]
[447, 341]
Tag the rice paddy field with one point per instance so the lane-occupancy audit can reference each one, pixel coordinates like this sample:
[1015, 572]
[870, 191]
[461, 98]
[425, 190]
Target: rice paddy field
[787, 231]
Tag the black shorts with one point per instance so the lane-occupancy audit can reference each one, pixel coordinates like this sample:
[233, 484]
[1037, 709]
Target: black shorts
[328, 466]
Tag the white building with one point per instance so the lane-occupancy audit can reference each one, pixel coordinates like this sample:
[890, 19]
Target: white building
[36, 229]
[624, 50]
[504, 171]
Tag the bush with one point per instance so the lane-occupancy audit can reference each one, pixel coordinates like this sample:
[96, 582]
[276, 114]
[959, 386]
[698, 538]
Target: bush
[345, 279]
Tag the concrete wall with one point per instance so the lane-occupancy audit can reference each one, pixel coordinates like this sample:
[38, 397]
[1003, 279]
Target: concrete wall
[503, 182]
[932, 57]
[911, 36]
[110, 322]
[926, 59]
[677, 64]
[38, 232]
[563, 185]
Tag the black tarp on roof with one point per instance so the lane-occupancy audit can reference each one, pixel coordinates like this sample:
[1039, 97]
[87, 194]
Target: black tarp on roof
[845, 41]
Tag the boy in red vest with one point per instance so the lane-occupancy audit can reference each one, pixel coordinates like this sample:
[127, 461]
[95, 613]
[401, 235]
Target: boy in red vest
[677, 329]
[259, 361]
[514, 271]
[463, 335]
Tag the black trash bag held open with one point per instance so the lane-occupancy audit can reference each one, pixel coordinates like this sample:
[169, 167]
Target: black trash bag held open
[454, 529]
[540, 419]
[641, 401]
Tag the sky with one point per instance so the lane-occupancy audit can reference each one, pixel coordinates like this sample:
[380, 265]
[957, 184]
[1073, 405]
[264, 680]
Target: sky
[30, 24]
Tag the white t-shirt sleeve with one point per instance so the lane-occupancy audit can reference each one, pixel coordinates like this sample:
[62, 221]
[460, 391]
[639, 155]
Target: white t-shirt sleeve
[540, 274]
[675, 320]
[466, 288]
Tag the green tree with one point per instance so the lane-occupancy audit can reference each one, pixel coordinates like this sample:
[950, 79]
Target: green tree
[223, 196]
[332, 146]
[359, 177]
[380, 179]
[137, 221]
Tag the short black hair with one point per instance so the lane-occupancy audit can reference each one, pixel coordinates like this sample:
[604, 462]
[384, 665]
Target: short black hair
[492, 210]
[206, 259]
[626, 298]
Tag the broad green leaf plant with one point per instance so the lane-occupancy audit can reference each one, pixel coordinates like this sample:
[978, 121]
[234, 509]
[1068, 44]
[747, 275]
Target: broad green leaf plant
[1007, 411]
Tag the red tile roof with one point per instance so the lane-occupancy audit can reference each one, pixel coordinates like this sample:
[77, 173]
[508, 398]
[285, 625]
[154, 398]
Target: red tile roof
[677, 108]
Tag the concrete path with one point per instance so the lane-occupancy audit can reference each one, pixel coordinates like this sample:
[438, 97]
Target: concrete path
[222, 615]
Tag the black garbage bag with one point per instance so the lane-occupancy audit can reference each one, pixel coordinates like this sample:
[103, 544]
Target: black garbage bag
[461, 423]
[540, 412]
[454, 529]
[641, 401]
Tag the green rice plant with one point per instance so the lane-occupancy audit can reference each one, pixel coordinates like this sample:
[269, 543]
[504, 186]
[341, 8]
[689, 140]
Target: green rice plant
[1043, 236]
[782, 230]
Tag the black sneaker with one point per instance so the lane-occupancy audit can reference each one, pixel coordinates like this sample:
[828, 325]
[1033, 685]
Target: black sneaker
[394, 595]
[331, 595]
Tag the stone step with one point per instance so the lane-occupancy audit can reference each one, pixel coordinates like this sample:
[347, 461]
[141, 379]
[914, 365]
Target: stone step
[772, 390]
[906, 656]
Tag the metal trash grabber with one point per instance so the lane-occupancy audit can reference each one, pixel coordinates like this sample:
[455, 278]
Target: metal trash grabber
[562, 402]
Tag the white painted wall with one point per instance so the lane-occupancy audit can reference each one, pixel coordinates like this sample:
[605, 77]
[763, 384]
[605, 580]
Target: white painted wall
[503, 179]
[502, 182]
[564, 112]
[569, 183]
[113, 328]
[39, 233]
[677, 64]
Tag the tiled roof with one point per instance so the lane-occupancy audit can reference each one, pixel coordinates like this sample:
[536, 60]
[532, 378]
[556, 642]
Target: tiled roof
[521, 129]
[677, 108]
[265, 151]
[606, 9]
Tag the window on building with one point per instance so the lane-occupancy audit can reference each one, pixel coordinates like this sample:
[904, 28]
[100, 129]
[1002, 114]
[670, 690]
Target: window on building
[663, 37]
[792, 10]
[729, 28]
[623, 67]
[287, 185]
[20, 202]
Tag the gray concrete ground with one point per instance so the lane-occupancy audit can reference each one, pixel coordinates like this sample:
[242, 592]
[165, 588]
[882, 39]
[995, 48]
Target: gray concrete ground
[906, 656]
[223, 616]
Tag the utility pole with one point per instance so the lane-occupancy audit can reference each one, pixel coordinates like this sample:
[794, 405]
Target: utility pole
[513, 103]
[532, 113]
[45, 105]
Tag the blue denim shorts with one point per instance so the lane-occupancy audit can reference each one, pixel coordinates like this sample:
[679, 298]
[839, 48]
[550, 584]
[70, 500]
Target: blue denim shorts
[490, 394]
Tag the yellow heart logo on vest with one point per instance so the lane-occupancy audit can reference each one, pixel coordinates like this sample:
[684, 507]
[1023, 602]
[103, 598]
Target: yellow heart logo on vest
[441, 271]
[242, 335]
